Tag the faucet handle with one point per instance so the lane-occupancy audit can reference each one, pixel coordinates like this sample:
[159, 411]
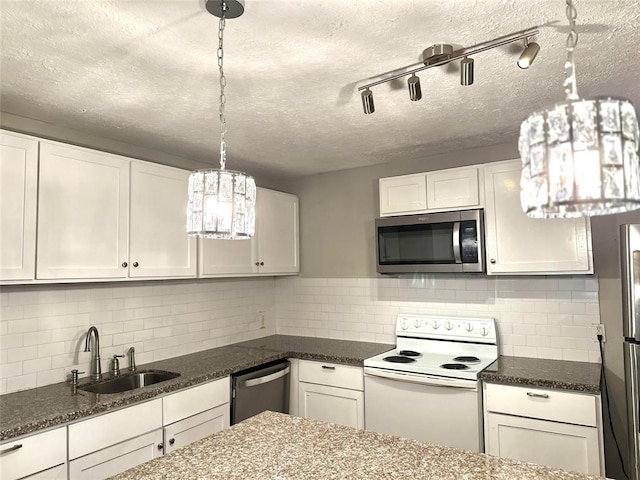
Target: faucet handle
[118, 356]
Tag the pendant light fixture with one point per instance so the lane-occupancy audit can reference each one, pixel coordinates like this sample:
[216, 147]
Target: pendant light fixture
[222, 202]
[580, 157]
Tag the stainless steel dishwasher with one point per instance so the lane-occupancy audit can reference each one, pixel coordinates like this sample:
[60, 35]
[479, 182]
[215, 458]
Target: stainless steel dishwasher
[259, 389]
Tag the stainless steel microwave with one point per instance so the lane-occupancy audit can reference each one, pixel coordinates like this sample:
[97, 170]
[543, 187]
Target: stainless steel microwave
[431, 242]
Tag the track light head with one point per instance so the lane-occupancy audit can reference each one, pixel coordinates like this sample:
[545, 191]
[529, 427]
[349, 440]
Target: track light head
[466, 71]
[415, 92]
[528, 55]
[367, 101]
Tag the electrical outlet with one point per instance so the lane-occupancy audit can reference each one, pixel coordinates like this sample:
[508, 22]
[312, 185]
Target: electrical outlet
[598, 329]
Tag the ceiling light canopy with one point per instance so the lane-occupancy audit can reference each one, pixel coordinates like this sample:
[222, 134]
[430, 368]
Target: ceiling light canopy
[580, 157]
[222, 202]
[442, 54]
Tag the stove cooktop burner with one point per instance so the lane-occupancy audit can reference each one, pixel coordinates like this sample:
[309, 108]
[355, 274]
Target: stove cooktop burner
[467, 359]
[454, 366]
[409, 353]
[398, 359]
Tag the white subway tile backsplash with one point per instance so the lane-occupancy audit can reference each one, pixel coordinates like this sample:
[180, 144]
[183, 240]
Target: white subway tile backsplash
[542, 317]
[43, 327]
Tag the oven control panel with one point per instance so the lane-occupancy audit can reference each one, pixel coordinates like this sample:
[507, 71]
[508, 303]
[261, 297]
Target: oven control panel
[474, 329]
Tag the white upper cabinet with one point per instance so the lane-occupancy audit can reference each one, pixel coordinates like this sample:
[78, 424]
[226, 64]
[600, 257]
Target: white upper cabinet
[403, 195]
[516, 243]
[159, 245]
[83, 213]
[273, 250]
[450, 189]
[18, 197]
[277, 219]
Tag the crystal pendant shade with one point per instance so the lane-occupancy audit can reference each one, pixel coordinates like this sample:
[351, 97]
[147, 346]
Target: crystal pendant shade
[580, 158]
[221, 205]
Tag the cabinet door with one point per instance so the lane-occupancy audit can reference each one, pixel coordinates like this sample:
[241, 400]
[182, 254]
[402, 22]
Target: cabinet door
[277, 226]
[83, 205]
[519, 244]
[117, 458]
[192, 429]
[227, 257]
[18, 196]
[331, 404]
[453, 188]
[405, 194]
[25, 456]
[159, 245]
[560, 445]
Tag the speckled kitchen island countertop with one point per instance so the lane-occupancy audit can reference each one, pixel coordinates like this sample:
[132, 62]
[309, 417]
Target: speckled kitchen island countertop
[35, 409]
[539, 372]
[273, 446]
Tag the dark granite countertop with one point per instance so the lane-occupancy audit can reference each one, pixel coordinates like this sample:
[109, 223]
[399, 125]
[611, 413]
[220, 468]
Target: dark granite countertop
[276, 446]
[39, 408]
[539, 372]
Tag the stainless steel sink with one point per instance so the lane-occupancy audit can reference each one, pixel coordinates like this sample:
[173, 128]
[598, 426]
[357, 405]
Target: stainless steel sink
[128, 382]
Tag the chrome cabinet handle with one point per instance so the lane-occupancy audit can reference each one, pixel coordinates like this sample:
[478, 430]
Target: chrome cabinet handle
[160, 446]
[172, 441]
[493, 260]
[135, 264]
[124, 264]
[11, 449]
[327, 367]
[537, 395]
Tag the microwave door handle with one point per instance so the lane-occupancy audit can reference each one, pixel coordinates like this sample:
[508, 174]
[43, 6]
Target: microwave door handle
[456, 242]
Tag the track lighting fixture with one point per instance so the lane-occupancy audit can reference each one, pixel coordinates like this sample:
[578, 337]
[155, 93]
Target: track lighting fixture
[415, 92]
[367, 102]
[529, 53]
[466, 71]
[442, 54]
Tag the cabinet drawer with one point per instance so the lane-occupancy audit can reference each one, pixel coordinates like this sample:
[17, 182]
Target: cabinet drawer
[194, 400]
[547, 404]
[100, 432]
[192, 429]
[335, 375]
[36, 453]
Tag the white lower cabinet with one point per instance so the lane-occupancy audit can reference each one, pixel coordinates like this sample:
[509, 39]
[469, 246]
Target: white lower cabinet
[114, 442]
[194, 413]
[197, 427]
[549, 427]
[43, 455]
[117, 458]
[331, 393]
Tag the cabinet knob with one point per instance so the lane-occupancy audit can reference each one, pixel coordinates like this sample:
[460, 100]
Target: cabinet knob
[257, 264]
[493, 260]
[172, 441]
[124, 264]
[135, 264]
[160, 446]
[261, 264]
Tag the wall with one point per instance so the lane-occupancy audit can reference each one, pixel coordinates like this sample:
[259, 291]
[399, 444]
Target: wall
[43, 327]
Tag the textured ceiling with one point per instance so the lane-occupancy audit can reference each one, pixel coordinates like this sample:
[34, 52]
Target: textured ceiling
[145, 73]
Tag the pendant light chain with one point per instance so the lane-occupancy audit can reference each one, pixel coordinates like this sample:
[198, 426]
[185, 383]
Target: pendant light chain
[223, 83]
[570, 86]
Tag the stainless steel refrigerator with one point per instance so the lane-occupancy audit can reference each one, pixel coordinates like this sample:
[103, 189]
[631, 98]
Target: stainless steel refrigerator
[630, 237]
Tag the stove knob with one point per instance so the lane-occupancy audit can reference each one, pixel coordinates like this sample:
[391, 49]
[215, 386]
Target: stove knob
[403, 325]
[448, 326]
[468, 326]
[417, 322]
[485, 331]
[435, 325]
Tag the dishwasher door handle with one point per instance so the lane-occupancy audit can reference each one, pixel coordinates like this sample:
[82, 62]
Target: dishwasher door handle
[266, 379]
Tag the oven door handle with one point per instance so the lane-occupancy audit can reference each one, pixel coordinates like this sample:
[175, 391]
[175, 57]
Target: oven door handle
[422, 379]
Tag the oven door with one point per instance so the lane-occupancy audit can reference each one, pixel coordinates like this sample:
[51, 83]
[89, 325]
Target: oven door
[436, 410]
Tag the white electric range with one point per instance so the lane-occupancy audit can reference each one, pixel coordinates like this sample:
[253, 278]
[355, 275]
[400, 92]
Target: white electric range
[427, 387]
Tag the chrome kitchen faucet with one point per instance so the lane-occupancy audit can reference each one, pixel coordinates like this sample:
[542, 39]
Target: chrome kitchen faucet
[95, 369]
